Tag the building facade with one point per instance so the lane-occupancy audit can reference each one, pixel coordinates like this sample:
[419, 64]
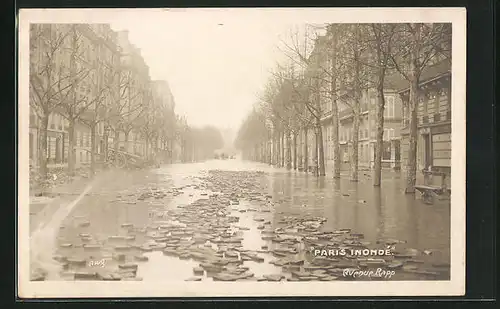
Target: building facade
[109, 72]
[391, 156]
[433, 120]
[135, 76]
[164, 107]
[393, 115]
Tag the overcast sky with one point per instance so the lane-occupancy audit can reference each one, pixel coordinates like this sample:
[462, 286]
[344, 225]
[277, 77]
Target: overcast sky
[215, 62]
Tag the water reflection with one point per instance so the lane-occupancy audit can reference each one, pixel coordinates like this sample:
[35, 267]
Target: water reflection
[376, 212]
[165, 268]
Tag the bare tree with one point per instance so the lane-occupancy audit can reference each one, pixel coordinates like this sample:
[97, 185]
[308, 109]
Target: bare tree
[333, 34]
[102, 86]
[353, 54]
[130, 107]
[419, 44]
[49, 80]
[317, 56]
[149, 123]
[379, 38]
[169, 131]
[273, 106]
[88, 92]
[251, 134]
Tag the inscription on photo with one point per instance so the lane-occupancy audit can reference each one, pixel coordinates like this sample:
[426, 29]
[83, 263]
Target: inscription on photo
[378, 273]
[351, 252]
[97, 263]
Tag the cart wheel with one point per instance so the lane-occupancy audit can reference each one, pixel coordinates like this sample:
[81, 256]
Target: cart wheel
[428, 198]
[120, 161]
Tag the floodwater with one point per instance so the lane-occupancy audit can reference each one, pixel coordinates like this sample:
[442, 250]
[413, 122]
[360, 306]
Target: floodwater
[377, 213]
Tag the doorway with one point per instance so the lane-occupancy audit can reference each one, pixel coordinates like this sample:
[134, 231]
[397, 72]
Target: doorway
[427, 151]
[397, 150]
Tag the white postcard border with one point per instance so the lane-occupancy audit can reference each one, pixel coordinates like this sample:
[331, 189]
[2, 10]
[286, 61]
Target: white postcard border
[70, 289]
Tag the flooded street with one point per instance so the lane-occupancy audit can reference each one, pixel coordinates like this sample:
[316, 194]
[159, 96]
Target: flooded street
[233, 220]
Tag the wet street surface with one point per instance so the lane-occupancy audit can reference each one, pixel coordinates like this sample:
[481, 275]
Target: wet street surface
[229, 220]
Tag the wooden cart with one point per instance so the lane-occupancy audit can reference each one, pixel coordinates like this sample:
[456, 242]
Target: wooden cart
[430, 192]
[120, 159]
[123, 159]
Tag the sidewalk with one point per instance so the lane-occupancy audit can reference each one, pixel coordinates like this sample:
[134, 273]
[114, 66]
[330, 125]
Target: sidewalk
[42, 208]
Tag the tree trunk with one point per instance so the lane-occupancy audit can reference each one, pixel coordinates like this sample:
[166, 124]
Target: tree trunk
[306, 152]
[411, 170]
[316, 152]
[380, 136]
[71, 147]
[42, 141]
[280, 144]
[278, 150]
[335, 140]
[268, 151]
[288, 150]
[356, 108]
[335, 112]
[299, 150]
[274, 158]
[321, 152]
[184, 152]
[116, 140]
[92, 150]
[295, 151]
[106, 142]
[263, 152]
[126, 146]
[355, 142]
[282, 149]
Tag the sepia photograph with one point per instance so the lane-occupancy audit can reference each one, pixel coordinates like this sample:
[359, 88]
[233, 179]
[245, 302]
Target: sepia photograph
[241, 152]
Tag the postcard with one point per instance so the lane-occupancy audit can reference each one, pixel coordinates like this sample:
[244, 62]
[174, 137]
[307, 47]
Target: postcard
[241, 152]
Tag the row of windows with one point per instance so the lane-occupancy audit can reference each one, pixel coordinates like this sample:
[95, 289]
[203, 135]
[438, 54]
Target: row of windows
[82, 139]
[57, 122]
[87, 50]
[346, 134]
[364, 152]
[432, 100]
[389, 107]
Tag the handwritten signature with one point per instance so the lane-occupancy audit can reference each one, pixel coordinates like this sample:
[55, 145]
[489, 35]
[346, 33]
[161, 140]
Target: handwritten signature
[97, 263]
[379, 273]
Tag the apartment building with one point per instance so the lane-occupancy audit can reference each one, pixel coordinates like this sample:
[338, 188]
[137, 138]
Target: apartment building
[135, 76]
[87, 51]
[391, 157]
[434, 119]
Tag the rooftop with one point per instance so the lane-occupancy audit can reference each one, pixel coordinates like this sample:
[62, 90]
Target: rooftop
[431, 72]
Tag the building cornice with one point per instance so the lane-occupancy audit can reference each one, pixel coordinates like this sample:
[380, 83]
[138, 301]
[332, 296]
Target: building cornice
[427, 81]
